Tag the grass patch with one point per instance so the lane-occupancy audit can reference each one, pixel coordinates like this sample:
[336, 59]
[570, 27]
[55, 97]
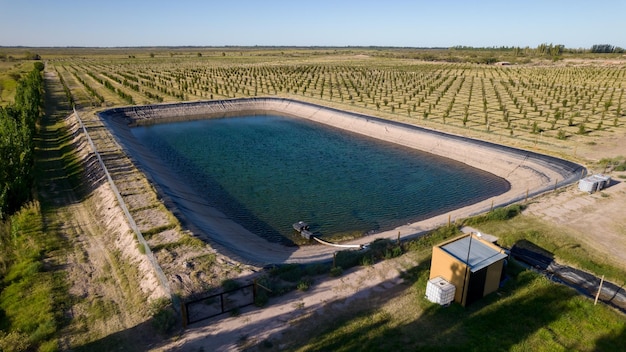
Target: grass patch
[427, 241]
[616, 164]
[288, 272]
[529, 314]
[33, 294]
[205, 262]
[498, 214]
[163, 316]
[141, 248]
[567, 249]
[186, 240]
[378, 250]
[336, 271]
[286, 278]
[147, 234]
[230, 284]
[304, 284]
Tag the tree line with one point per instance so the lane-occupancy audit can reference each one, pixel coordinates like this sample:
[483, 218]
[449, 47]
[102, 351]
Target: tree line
[545, 49]
[606, 49]
[17, 128]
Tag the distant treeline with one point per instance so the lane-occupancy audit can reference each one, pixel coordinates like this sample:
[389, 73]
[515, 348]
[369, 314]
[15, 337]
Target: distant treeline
[544, 49]
[606, 48]
[547, 49]
[28, 55]
[17, 128]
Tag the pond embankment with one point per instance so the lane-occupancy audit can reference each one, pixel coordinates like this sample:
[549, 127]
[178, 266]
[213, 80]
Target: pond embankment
[528, 173]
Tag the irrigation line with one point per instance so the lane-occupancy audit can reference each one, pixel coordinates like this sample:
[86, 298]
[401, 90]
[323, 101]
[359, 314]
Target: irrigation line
[142, 241]
[337, 245]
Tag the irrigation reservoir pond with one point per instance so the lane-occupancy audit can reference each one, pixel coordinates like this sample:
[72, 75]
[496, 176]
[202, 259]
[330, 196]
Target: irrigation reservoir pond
[266, 172]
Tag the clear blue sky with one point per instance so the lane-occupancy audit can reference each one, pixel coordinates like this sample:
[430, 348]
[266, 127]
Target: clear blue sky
[419, 23]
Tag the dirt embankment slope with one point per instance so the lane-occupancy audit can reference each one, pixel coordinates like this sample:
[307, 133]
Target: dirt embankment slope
[108, 278]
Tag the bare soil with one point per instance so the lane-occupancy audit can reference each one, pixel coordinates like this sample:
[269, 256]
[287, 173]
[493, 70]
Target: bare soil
[357, 289]
[598, 220]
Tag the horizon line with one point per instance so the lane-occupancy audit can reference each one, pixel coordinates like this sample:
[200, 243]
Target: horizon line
[283, 46]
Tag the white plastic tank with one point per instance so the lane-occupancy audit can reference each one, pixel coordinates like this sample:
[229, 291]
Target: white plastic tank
[594, 183]
[440, 291]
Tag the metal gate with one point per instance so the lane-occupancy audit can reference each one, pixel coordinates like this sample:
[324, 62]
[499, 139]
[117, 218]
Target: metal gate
[220, 303]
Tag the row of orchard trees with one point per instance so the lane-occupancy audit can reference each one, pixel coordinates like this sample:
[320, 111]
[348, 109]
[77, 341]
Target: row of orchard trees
[520, 101]
[17, 128]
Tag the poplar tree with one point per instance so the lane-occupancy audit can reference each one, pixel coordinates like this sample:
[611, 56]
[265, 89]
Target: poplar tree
[17, 127]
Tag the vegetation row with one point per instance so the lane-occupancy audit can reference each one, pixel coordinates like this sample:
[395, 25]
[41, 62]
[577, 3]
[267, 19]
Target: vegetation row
[17, 129]
[33, 297]
[521, 101]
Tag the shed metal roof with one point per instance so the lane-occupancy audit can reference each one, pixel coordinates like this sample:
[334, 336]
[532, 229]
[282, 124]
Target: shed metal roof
[480, 254]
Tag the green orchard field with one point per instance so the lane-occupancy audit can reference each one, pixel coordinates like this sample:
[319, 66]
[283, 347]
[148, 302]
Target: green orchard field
[548, 103]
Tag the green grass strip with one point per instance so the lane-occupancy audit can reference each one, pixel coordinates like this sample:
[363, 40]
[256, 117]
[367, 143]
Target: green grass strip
[32, 292]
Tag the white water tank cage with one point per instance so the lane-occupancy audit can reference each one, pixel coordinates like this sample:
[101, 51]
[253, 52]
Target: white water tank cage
[594, 183]
[440, 291]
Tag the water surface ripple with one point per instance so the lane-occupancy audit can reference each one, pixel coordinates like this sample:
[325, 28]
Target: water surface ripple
[267, 172]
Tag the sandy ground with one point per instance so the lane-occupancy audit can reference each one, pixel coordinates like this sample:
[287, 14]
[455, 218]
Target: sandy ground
[357, 286]
[596, 219]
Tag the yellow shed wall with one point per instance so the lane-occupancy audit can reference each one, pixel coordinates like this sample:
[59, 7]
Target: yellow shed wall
[452, 270]
[494, 272]
[444, 265]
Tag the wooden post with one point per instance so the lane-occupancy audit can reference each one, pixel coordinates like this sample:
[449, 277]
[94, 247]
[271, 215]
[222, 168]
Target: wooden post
[491, 205]
[183, 310]
[467, 266]
[449, 219]
[334, 259]
[555, 183]
[254, 290]
[599, 290]
[526, 200]
[398, 237]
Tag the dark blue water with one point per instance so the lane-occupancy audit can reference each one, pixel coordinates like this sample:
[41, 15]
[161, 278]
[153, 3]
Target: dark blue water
[267, 172]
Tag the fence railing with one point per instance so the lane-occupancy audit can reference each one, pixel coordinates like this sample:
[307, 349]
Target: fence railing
[142, 241]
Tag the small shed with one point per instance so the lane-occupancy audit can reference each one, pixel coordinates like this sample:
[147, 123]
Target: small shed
[474, 266]
[594, 183]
